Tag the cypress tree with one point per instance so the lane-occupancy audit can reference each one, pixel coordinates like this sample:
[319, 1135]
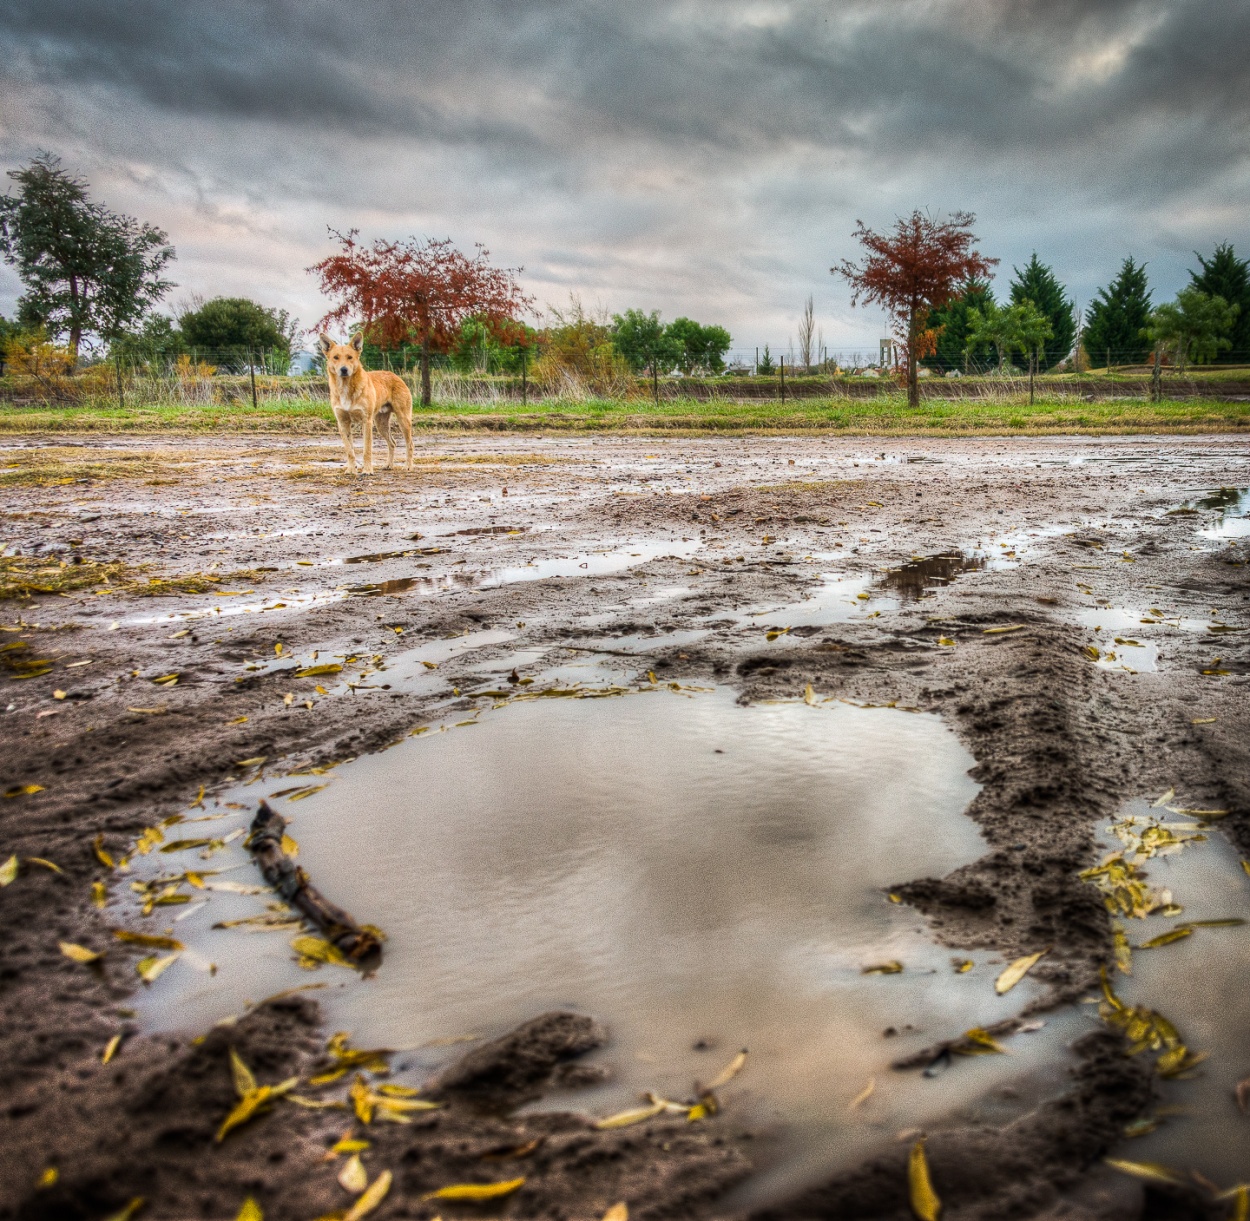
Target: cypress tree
[1115, 320]
[1037, 283]
[953, 337]
[1225, 275]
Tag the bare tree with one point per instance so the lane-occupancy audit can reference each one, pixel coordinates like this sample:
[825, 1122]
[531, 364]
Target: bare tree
[807, 332]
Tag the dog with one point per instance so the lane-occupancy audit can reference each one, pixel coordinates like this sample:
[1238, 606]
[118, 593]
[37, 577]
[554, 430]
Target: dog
[370, 396]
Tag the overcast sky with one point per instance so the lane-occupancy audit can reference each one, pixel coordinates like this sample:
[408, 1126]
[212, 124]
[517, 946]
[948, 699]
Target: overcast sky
[706, 157]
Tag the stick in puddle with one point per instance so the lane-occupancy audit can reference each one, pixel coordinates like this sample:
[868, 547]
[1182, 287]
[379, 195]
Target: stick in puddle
[358, 945]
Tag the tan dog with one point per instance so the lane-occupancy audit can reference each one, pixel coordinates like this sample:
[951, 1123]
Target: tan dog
[357, 393]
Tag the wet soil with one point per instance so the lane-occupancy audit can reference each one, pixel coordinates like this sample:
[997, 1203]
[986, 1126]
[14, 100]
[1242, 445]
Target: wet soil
[720, 534]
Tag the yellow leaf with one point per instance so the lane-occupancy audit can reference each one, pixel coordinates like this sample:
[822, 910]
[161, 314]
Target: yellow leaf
[893, 967]
[1179, 933]
[1152, 1172]
[347, 1144]
[398, 1091]
[332, 667]
[430, 665]
[307, 791]
[79, 953]
[129, 1211]
[924, 1201]
[730, 1071]
[38, 860]
[151, 941]
[255, 761]
[58, 695]
[1123, 951]
[962, 965]
[1092, 653]
[476, 1191]
[244, 1078]
[250, 1211]
[863, 1095]
[8, 871]
[23, 790]
[1016, 971]
[289, 845]
[247, 1106]
[371, 1199]
[353, 1177]
[946, 640]
[110, 1049]
[318, 1104]
[983, 1043]
[167, 680]
[995, 631]
[101, 855]
[618, 1212]
[152, 968]
[315, 950]
[49, 1177]
[624, 1119]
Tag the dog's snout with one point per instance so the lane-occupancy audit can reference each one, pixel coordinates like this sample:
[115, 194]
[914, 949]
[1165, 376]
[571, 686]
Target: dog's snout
[343, 370]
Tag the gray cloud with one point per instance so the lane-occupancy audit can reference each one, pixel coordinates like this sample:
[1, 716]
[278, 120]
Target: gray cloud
[701, 156]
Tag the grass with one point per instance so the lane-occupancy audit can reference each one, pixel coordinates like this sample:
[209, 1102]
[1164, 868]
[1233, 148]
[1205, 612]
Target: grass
[887, 414]
[23, 576]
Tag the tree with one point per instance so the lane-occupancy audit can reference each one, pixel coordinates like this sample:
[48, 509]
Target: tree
[235, 330]
[807, 333]
[765, 362]
[950, 325]
[86, 270]
[159, 340]
[1037, 284]
[1117, 317]
[644, 341]
[1225, 275]
[698, 347]
[477, 348]
[1032, 331]
[1193, 327]
[911, 272]
[991, 326]
[419, 291]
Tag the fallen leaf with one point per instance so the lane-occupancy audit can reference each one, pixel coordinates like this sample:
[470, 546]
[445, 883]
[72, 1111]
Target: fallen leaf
[250, 1211]
[130, 1210]
[23, 790]
[244, 1078]
[625, 1119]
[353, 1177]
[994, 631]
[1179, 933]
[924, 1201]
[332, 667]
[48, 1178]
[150, 969]
[152, 941]
[893, 967]
[256, 761]
[730, 1071]
[430, 665]
[8, 871]
[962, 965]
[1016, 971]
[345, 1144]
[863, 1095]
[101, 855]
[45, 864]
[314, 951]
[319, 1104]
[79, 953]
[1204, 720]
[945, 640]
[809, 696]
[618, 1212]
[983, 1043]
[371, 1198]
[1152, 1172]
[475, 1191]
[110, 1049]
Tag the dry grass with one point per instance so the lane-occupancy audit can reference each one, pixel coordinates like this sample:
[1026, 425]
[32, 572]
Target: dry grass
[24, 577]
[63, 465]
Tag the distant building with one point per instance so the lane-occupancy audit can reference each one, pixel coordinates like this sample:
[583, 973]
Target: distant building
[302, 362]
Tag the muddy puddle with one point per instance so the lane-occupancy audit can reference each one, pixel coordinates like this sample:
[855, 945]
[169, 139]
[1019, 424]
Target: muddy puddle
[699, 874]
[1198, 983]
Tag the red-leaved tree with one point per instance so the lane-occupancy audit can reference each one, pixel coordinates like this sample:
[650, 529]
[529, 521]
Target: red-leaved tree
[917, 268]
[420, 292]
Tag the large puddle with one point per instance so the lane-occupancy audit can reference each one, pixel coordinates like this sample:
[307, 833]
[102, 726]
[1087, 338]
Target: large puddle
[700, 874]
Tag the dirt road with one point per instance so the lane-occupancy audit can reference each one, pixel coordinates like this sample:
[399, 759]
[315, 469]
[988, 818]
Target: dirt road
[184, 578]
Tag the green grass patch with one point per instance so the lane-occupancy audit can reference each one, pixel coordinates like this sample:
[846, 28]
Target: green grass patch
[886, 414]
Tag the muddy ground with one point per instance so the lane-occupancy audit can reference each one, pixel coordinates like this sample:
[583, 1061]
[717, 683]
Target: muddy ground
[1060, 742]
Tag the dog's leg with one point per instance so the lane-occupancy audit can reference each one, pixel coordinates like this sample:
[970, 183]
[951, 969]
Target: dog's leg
[405, 423]
[369, 422]
[384, 422]
[345, 431]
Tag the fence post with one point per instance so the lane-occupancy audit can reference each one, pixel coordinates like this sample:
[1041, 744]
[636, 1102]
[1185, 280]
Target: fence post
[121, 393]
[251, 368]
[525, 360]
[782, 360]
[655, 382]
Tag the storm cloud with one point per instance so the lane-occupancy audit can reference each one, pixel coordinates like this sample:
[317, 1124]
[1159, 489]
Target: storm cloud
[707, 157]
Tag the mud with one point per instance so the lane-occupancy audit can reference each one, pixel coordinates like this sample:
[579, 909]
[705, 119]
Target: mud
[702, 545]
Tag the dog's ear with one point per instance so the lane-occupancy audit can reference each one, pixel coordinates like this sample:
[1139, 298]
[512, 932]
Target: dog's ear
[326, 342]
[358, 341]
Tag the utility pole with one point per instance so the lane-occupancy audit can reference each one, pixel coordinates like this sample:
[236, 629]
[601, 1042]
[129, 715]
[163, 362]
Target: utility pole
[782, 359]
[251, 368]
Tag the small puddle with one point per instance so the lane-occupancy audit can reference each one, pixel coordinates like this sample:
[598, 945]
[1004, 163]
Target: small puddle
[913, 580]
[692, 870]
[1233, 505]
[1199, 985]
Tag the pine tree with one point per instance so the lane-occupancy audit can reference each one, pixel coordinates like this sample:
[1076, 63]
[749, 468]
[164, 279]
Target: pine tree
[1225, 275]
[1037, 283]
[1115, 320]
[952, 339]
